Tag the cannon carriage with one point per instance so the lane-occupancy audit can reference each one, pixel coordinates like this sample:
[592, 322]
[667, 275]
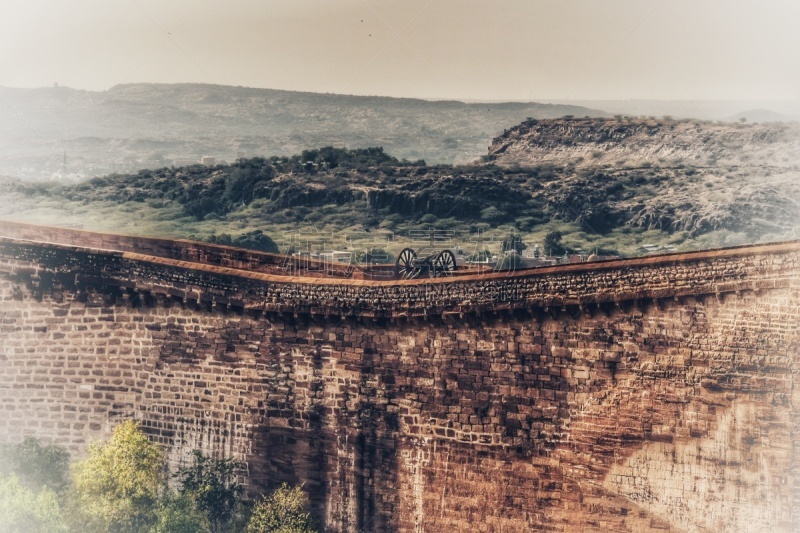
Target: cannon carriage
[437, 264]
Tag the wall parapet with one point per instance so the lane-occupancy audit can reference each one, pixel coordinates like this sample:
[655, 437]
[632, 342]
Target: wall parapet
[574, 288]
[179, 249]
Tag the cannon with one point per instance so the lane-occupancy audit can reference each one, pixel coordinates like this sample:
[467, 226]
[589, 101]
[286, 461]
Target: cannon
[437, 264]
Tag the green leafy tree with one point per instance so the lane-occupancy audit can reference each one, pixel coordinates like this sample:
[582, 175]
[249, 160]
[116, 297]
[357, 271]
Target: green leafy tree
[252, 240]
[117, 487]
[256, 240]
[179, 514]
[283, 511]
[222, 238]
[246, 179]
[553, 245]
[212, 485]
[36, 465]
[494, 215]
[200, 207]
[513, 242]
[24, 510]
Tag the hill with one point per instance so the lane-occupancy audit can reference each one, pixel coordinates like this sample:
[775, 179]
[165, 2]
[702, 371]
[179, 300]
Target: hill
[604, 184]
[634, 141]
[64, 132]
[725, 110]
[762, 115]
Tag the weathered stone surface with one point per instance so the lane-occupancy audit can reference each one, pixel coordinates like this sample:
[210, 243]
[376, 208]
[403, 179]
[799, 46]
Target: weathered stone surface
[644, 395]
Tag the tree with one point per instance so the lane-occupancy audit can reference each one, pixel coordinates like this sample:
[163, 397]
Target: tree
[117, 487]
[25, 510]
[256, 240]
[252, 240]
[179, 514]
[223, 238]
[492, 214]
[212, 485]
[513, 242]
[243, 182]
[36, 465]
[553, 245]
[283, 511]
[200, 207]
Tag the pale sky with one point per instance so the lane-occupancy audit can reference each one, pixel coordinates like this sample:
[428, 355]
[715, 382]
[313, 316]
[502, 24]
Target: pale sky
[461, 49]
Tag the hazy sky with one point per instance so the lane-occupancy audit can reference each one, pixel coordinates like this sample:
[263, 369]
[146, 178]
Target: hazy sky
[496, 50]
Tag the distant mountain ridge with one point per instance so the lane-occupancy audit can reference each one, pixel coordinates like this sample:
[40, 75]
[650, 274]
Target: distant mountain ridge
[763, 115]
[62, 131]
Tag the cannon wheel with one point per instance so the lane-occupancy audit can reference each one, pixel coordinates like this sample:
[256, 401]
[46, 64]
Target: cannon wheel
[404, 266]
[444, 264]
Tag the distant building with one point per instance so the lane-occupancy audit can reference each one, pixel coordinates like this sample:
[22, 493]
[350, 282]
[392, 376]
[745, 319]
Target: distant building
[208, 161]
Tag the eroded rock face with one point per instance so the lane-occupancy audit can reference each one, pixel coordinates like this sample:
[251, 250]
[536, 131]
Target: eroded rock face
[599, 142]
[673, 413]
[690, 176]
[717, 467]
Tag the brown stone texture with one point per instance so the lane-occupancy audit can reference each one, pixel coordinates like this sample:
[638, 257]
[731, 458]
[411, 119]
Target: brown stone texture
[648, 395]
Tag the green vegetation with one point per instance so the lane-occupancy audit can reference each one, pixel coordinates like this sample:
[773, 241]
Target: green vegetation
[179, 514]
[364, 199]
[37, 466]
[212, 485]
[360, 158]
[253, 240]
[27, 510]
[553, 244]
[514, 243]
[121, 486]
[283, 511]
[117, 487]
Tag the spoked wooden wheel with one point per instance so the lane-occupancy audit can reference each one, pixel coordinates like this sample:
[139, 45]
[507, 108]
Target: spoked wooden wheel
[444, 264]
[404, 266]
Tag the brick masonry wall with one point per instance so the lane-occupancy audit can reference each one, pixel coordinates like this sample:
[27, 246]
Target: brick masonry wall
[650, 395]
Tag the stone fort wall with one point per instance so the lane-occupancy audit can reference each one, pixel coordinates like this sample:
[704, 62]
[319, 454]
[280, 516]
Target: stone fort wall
[638, 395]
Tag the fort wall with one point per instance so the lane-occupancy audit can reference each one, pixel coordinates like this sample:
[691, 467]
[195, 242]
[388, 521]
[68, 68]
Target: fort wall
[636, 395]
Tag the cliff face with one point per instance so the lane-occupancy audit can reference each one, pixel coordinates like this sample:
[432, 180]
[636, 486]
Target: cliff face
[691, 176]
[632, 142]
[651, 394]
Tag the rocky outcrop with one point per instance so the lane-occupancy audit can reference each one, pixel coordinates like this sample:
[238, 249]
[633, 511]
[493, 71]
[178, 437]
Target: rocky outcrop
[616, 142]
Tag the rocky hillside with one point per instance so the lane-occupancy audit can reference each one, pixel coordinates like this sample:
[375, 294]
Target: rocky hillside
[610, 184]
[689, 175]
[622, 141]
